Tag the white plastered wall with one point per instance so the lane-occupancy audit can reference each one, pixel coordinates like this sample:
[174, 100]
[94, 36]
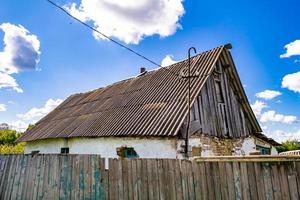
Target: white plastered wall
[51, 146]
[145, 147]
[107, 146]
[248, 146]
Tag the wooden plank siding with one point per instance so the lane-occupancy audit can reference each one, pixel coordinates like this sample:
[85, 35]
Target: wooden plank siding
[217, 111]
[85, 177]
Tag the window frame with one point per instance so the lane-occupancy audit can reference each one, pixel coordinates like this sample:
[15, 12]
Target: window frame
[263, 150]
[65, 150]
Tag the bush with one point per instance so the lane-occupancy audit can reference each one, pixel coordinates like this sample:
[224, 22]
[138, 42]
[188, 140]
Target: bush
[12, 149]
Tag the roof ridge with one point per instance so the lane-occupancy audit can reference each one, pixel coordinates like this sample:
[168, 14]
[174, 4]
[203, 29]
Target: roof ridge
[150, 71]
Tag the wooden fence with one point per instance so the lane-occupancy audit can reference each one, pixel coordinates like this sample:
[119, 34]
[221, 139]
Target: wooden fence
[85, 177]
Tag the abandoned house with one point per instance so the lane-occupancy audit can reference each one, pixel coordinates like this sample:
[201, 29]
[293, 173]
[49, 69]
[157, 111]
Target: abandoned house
[146, 116]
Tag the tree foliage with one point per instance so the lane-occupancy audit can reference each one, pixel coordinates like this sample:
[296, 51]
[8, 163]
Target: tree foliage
[289, 145]
[8, 136]
[8, 142]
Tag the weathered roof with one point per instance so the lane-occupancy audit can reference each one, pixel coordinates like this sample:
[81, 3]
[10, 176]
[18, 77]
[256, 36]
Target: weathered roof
[153, 104]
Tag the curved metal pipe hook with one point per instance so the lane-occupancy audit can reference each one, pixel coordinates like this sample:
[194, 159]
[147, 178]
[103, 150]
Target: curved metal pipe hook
[189, 102]
[194, 49]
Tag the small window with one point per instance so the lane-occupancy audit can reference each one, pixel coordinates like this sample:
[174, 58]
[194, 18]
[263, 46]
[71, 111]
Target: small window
[64, 150]
[130, 153]
[263, 150]
[127, 152]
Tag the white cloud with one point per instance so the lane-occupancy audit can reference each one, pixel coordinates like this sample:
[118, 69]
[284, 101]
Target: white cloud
[19, 125]
[7, 81]
[272, 116]
[130, 20]
[21, 52]
[2, 107]
[292, 49]
[37, 113]
[168, 60]
[21, 49]
[281, 136]
[34, 114]
[292, 82]
[268, 94]
[258, 106]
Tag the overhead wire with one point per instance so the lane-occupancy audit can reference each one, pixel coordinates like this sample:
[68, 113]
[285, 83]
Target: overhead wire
[181, 77]
[112, 40]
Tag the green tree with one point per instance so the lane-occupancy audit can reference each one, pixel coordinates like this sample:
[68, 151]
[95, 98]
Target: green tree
[289, 145]
[8, 142]
[8, 136]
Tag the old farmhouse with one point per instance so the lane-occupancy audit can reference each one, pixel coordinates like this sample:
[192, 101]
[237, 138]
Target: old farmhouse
[146, 116]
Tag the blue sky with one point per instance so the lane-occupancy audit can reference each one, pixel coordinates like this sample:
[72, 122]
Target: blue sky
[72, 60]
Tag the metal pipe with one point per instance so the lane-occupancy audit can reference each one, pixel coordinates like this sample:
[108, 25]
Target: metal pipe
[189, 102]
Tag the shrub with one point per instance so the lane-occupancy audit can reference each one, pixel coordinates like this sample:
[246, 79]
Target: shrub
[12, 149]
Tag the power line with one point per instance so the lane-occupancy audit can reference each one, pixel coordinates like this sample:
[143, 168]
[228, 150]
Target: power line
[112, 40]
